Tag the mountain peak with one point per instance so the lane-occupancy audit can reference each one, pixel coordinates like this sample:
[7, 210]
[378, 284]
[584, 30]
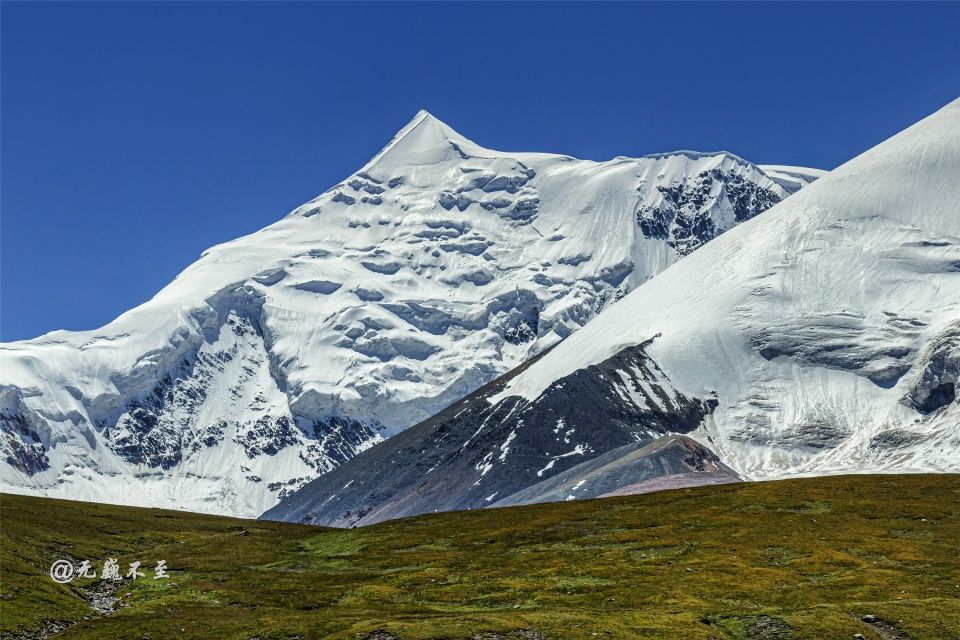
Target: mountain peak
[424, 140]
[423, 114]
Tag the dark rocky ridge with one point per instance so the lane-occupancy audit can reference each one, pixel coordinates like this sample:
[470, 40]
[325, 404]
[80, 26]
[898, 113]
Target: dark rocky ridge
[474, 451]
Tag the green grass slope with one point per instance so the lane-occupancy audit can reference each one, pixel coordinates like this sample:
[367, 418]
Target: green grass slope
[776, 560]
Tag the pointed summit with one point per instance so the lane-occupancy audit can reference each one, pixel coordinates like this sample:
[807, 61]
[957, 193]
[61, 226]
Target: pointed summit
[423, 140]
[427, 119]
[425, 116]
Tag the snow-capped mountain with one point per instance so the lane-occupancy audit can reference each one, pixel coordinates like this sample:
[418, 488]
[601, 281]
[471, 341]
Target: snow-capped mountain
[277, 356]
[820, 337]
[828, 329]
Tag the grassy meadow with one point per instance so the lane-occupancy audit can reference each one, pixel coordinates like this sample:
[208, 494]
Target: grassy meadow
[805, 558]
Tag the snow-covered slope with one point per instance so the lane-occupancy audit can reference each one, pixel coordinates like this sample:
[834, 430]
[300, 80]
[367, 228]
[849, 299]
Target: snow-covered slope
[822, 336]
[792, 178]
[828, 329]
[279, 355]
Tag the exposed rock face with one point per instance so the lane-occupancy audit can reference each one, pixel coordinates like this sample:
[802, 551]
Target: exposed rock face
[22, 446]
[689, 212]
[938, 382]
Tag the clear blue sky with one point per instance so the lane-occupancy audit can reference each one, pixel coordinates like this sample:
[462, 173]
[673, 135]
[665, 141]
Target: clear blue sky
[136, 135]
